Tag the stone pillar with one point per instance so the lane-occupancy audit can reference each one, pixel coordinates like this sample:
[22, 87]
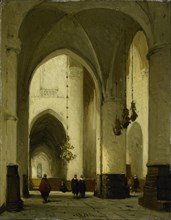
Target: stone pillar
[157, 190]
[10, 114]
[75, 119]
[10, 119]
[112, 177]
[13, 200]
[158, 180]
[2, 148]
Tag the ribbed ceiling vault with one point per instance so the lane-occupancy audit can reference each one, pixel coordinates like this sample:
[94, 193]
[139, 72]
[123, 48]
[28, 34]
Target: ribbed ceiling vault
[94, 34]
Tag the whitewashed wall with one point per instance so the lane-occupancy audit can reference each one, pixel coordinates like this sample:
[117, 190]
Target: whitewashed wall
[48, 88]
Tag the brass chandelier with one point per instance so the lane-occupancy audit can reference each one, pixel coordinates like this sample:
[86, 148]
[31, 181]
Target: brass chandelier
[125, 118]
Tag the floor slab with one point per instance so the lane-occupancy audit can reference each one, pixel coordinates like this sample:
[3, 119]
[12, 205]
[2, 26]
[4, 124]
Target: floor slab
[62, 206]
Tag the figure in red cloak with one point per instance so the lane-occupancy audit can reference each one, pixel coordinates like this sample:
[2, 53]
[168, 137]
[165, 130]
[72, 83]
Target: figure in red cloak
[44, 188]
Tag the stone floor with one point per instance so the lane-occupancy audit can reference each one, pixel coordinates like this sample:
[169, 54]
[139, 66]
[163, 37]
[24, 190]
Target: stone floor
[63, 207]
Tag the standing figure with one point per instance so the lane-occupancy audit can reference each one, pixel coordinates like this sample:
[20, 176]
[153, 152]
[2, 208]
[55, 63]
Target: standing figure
[135, 185]
[74, 186]
[82, 187]
[44, 188]
[130, 183]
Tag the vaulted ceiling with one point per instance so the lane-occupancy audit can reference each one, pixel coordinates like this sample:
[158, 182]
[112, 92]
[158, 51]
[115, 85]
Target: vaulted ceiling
[97, 35]
[47, 130]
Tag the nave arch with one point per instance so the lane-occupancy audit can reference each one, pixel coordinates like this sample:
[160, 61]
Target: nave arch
[46, 135]
[64, 75]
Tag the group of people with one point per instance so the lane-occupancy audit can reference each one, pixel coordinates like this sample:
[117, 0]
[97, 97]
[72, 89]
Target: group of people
[78, 187]
[133, 184]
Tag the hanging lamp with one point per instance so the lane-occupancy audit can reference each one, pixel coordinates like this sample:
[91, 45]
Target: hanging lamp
[125, 112]
[125, 117]
[117, 128]
[134, 115]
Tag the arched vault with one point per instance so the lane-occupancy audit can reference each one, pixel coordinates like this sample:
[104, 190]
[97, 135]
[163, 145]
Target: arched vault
[93, 32]
[47, 130]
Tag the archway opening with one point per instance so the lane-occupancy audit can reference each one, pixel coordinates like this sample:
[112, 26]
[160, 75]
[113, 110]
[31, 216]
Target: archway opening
[46, 136]
[62, 109]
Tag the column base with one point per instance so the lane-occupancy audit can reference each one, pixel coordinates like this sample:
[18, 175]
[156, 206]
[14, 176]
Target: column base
[2, 208]
[112, 186]
[25, 186]
[157, 189]
[13, 200]
[14, 206]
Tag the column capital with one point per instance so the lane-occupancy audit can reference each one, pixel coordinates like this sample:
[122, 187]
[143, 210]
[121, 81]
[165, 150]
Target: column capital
[157, 48]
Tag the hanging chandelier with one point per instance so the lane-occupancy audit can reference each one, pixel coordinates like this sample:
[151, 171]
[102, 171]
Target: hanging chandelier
[126, 119]
[66, 151]
[117, 128]
[125, 111]
[134, 115]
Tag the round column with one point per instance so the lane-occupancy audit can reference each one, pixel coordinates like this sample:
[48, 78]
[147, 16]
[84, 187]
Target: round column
[160, 105]
[112, 177]
[158, 181]
[113, 147]
[157, 190]
[75, 119]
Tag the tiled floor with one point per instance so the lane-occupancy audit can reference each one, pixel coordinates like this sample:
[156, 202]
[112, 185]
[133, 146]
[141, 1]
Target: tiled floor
[62, 206]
